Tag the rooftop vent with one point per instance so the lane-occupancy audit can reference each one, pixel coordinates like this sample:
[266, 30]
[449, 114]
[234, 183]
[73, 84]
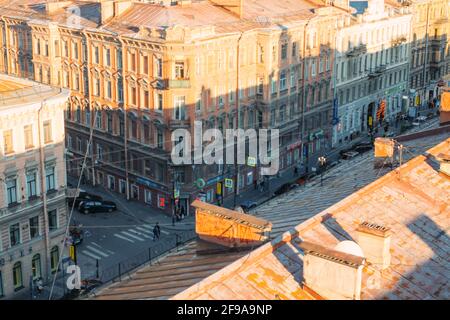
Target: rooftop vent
[333, 274]
[444, 162]
[375, 241]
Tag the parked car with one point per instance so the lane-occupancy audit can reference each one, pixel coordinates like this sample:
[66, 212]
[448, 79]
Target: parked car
[82, 196]
[284, 188]
[248, 205]
[350, 154]
[363, 147]
[97, 206]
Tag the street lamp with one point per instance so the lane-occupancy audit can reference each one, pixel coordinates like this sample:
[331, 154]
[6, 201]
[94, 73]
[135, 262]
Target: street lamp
[322, 161]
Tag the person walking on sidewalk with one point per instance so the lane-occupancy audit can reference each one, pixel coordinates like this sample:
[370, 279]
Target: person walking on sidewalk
[156, 231]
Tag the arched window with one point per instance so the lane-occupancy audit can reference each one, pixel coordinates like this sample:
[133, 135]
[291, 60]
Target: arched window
[36, 266]
[54, 257]
[87, 113]
[17, 276]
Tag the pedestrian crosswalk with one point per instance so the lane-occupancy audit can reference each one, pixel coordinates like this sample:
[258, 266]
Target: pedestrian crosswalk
[97, 252]
[138, 234]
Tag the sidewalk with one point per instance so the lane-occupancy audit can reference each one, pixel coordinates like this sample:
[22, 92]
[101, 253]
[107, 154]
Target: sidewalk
[137, 210]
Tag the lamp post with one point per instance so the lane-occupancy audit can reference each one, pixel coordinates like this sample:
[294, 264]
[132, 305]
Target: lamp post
[322, 161]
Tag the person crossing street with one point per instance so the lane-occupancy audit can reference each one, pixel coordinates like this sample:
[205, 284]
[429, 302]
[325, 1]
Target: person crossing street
[156, 232]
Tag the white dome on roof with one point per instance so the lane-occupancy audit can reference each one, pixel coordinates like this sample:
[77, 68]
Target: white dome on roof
[349, 247]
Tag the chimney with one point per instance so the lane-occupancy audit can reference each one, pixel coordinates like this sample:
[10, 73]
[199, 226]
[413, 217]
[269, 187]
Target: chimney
[235, 6]
[113, 8]
[444, 163]
[331, 273]
[55, 5]
[375, 241]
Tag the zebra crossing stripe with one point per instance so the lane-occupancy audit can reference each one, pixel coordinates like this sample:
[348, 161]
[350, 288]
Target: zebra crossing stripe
[140, 233]
[151, 228]
[122, 237]
[145, 231]
[98, 251]
[89, 254]
[132, 236]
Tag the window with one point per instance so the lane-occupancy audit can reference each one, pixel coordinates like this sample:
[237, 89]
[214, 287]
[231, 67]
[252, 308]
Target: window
[1, 285]
[75, 51]
[99, 152]
[31, 185]
[96, 55]
[282, 113]
[54, 258]
[108, 57]
[159, 101]
[283, 80]
[159, 139]
[14, 234]
[34, 227]
[273, 86]
[28, 134]
[133, 61]
[109, 122]
[313, 68]
[36, 266]
[111, 183]
[294, 49]
[292, 78]
[158, 67]
[17, 276]
[50, 178]
[198, 104]
[148, 196]
[146, 99]
[52, 220]
[284, 51]
[98, 118]
[47, 131]
[179, 70]
[122, 186]
[179, 108]
[8, 141]
[161, 201]
[11, 191]
[108, 89]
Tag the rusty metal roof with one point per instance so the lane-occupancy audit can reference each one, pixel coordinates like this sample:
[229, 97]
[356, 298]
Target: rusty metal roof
[241, 218]
[412, 200]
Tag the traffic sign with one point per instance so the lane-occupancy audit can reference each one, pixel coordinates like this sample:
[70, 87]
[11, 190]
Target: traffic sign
[229, 183]
[251, 161]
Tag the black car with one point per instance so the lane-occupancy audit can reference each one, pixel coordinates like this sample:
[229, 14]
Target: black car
[284, 188]
[82, 196]
[248, 205]
[363, 147]
[97, 206]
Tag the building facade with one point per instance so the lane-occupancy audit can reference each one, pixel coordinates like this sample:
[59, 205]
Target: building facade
[33, 209]
[134, 83]
[430, 50]
[372, 70]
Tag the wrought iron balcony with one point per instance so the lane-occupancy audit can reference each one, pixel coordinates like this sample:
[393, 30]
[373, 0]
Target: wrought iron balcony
[378, 71]
[179, 124]
[179, 83]
[356, 51]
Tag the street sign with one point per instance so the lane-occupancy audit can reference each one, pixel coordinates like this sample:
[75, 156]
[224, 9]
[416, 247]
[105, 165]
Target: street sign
[251, 161]
[73, 253]
[200, 183]
[229, 183]
[219, 188]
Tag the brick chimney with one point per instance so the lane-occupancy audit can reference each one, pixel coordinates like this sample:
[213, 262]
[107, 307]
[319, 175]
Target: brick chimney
[444, 163]
[375, 241]
[330, 273]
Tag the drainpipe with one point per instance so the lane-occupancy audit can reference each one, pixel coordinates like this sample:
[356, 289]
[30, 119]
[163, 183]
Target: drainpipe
[304, 92]
[426, 52]
[44, 195]
[236, 189]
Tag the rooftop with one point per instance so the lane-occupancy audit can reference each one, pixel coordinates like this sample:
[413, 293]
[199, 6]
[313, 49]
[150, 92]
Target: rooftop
[285, 212]
[15, 91]
[412, 200]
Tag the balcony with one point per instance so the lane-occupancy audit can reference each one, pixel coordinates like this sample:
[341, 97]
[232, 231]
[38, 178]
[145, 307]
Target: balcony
[179, 83]
[179, 124]
[378, 71]
[356, 51]
[398, 41]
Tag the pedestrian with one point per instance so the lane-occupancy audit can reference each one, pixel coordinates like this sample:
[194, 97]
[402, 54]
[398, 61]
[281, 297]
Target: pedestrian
[156, 231]
[182, 212]
[255, 184]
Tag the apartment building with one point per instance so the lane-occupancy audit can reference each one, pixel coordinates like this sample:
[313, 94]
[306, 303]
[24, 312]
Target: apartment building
[33, 209]
[430, 49]
[372, 69]
[137, 71]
